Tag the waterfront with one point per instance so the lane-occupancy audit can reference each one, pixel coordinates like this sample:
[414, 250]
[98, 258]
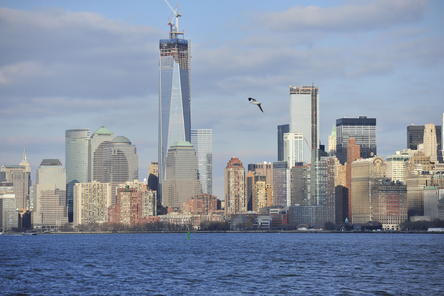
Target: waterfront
[223, 264]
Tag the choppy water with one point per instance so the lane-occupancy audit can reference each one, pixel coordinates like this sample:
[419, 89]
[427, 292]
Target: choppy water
[223, 264]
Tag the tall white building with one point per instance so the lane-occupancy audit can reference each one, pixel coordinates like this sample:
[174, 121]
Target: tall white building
[294, 148]
[50, 209]
[396, 167]
[202, 140]
[91, 202]
[304, 118]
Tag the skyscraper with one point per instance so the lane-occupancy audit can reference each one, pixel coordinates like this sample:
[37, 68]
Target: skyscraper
[304, 119]
[50, 207]
[99, 151]
[415, 136]
[76, 162]
[234, 179]
[202, 140]
[182, 177]
[332, 142]
[20, 177]
[363, 129]
[281, 130]
[174, 97]
[430, 142]
[91, 202]
[294, 148]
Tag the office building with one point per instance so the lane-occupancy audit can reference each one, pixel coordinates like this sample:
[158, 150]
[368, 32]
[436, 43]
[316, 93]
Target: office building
[99, 153]
[294, 149]
[234, 183]
[365, 172]
[332, 142]
[388, 203]
[202, 140]
[174, 98]
[20, 177]
[397, 167]
[182, 177]
[50, 211]
[91, 202]
[153, 176]
[300, 184]
[415, 136]
[280, 172]
[281, 130]
[76, 162]
[430, 142]
[304, 119]
[353, 153]
[434, 202]
[363, 129]
[8, 211]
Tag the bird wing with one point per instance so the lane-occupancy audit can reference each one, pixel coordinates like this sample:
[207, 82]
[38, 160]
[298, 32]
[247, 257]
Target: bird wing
[260, 107]
[251, 99]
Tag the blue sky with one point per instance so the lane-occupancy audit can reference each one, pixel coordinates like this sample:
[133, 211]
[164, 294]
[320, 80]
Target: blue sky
[77, 64]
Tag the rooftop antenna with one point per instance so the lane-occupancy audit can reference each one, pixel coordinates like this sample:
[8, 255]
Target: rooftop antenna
[174, 27]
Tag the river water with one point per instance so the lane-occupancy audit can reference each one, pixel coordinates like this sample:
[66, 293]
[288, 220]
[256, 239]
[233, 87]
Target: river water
[223, 264]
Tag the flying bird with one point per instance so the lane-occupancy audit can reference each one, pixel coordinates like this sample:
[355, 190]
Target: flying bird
[255, 102]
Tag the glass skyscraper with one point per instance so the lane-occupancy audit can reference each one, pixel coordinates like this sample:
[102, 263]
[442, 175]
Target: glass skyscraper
[282, 129]
[76, 161]
[202, 140]
[363, 129]
[174, 97]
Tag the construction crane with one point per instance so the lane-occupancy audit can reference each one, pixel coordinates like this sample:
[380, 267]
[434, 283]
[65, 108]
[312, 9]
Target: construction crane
[174, 28]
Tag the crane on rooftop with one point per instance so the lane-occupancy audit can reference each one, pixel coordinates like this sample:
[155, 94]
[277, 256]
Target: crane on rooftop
[174, 27]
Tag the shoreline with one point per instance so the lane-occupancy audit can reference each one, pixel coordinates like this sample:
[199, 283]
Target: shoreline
[228, 232]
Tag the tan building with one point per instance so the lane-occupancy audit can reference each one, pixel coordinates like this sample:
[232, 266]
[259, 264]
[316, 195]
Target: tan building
[202, 204]
[389, 203]
[430, 142]
[234, 181]
[364, 172]
[91, 202]
[353, 153]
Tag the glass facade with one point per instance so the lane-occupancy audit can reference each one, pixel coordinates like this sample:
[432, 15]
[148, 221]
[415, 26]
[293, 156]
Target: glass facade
[76, 161]
[282, 129]
[174, 98]
[363, 129]
[202, 140]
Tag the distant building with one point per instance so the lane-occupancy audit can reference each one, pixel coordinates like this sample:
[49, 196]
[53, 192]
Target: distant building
[365, 172]
[323, 186]
[430, 140]
[50, 210]
[135, 204]
[281, 130]
[415, 136]
[307, 215]
[434, 202]
[77, 144]
[353, 153]
[20, 177]
[91, 202]
[415, 193]
[202, 140]
[363, 129]
[235, 195]
[388, 203]
[182, 178]
[8, 211]
[304, 119]
[397, 167]
[280, 173]
[300, 184]
[262, 191]
[294, 149]
[201, 204]
[153, 176]
[332, 142]
[341, 204]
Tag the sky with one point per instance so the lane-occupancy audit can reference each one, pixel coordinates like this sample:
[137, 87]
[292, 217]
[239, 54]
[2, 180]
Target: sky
[86, 63]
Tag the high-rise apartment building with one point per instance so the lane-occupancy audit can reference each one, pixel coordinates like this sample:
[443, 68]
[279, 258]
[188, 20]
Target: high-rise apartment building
[281, 130]
[235, 195]
[135, 204]
[182, 177]
[174, 98]
[76, 162]
[304, 119]
[363, 129]
[202, 140]
[50, 209]
[91, 202]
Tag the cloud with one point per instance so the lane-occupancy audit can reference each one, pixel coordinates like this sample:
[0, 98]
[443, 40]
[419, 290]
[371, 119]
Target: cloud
[355, 16]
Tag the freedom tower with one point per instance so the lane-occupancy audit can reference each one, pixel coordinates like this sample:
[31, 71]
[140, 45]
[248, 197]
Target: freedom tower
[174, 96]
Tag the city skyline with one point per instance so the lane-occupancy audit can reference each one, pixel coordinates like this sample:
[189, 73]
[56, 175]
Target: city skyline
[27, 88]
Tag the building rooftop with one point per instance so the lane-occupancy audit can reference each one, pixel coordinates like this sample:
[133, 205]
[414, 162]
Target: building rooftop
[121, 139]
[183, 144]
[103, 131]
[50, 162]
